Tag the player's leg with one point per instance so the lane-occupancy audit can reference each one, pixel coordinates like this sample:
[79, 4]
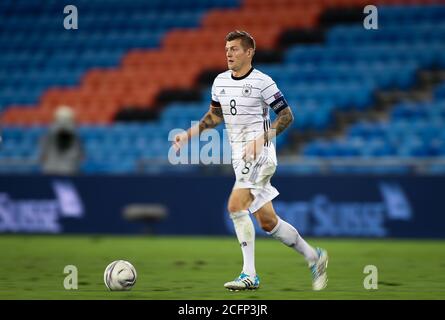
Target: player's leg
[283, 231]
[287, 234]
[239, 202]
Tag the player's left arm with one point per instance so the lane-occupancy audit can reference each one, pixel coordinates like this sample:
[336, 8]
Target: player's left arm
[275, 99]
[284, 119]
[282, 122]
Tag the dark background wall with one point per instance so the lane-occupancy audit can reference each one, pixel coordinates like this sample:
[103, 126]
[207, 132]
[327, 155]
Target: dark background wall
[363, 206]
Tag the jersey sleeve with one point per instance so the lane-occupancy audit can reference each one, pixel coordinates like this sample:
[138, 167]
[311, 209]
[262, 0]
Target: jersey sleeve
[214, 100]
[273, 96]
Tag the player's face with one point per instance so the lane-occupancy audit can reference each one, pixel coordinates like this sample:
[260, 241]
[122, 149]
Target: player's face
[236, 56]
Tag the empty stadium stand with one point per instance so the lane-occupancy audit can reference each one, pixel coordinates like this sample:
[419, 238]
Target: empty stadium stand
[126, 54]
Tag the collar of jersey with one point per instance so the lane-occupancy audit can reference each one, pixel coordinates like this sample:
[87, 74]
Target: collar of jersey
[242, 77]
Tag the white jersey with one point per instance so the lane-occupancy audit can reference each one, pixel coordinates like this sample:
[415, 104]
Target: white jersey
[245, 103]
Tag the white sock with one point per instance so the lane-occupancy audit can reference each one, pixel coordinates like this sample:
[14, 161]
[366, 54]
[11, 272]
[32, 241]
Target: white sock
[288, 235]
[245, 232]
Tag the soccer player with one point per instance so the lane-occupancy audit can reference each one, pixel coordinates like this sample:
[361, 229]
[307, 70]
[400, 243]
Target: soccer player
[241, 97]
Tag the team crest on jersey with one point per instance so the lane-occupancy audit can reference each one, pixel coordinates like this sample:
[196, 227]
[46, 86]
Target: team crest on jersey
[247, 90]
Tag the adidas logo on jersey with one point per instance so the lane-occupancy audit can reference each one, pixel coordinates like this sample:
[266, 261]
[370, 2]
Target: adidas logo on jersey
[223, 91]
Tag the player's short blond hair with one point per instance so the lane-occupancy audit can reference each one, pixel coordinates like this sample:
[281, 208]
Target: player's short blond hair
[247, 40]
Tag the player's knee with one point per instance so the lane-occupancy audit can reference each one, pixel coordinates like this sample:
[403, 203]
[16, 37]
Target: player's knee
[237, 204]
[267, 224]
[234, 207]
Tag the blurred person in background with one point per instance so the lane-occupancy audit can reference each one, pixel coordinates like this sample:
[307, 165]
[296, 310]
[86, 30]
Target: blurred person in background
[61, 148]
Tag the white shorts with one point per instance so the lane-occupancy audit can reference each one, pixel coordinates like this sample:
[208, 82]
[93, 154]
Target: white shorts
[256, 176]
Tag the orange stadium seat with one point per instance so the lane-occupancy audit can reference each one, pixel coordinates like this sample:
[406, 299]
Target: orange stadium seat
[141, 95]
[56, 97]
[14, 116]
[265, 38]
[178, 79]
[192, 39]
[93, 77]
[143, 58]
[11, 114]
[95, 116]
[259, 17]
[133, 58]
[42, 116]
[23, 117]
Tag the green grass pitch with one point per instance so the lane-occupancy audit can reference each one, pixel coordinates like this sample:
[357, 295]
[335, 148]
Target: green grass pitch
[189, 268]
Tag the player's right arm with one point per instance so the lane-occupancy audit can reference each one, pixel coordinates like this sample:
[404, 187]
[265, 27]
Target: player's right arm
[211, 119]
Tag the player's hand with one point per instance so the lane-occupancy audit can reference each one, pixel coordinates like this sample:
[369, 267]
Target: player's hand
[180, 140]
[254, 149]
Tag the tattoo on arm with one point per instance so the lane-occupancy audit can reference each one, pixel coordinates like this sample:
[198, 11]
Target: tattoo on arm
[284, 119]
[211, 119]
[217, 111]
